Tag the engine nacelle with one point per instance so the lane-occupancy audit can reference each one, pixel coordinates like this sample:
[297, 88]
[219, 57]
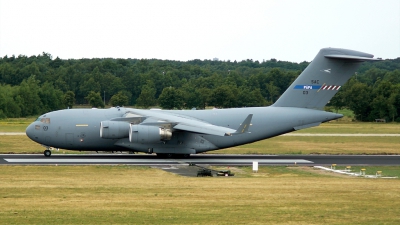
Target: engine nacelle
[148, 134]
[114, 129]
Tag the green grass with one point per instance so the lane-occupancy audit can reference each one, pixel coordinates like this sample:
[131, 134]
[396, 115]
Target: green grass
[139, 195]
[319, 145]
[22, 144]
[346, 113]
[336, 127]
[15, 124]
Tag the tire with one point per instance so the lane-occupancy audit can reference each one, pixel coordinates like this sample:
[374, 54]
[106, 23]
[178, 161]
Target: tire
[47, 153]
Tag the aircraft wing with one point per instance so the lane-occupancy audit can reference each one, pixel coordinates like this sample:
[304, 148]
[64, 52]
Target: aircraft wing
[184, 123]
[190, 125]
[205, 129]
[216, 130]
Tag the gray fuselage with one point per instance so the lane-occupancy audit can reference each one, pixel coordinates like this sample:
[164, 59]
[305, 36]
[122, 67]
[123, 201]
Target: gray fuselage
[79, 129]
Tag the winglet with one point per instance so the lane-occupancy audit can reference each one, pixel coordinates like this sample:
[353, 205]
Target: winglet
[244, 127]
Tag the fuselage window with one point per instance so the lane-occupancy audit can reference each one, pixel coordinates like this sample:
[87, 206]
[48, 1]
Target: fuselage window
[37, 127]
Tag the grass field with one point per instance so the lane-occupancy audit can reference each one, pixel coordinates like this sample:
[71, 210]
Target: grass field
[335, 127]
[139, 195]
[142, 195]
[15, 125]
[319, 145]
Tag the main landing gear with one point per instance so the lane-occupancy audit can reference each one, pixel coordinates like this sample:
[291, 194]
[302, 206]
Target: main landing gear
[47, 153]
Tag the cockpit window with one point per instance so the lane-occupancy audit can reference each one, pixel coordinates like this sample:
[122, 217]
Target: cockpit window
[45, 120]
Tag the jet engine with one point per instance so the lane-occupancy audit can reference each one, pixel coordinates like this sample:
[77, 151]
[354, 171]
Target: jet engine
[114, 129]
[148, 134]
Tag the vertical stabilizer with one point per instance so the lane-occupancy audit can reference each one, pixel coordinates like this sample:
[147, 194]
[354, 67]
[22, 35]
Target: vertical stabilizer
[323, 78]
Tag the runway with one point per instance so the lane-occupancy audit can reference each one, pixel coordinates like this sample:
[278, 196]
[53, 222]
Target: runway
[201, 159]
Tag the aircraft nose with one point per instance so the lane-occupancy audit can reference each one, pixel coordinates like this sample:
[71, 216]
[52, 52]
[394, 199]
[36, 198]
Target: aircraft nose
[30, 131]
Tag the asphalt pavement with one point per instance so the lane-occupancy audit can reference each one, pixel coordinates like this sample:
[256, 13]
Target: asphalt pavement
[200, 159]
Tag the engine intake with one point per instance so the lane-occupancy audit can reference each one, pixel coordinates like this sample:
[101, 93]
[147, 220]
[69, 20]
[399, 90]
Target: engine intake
[148, 134]
[114, 129]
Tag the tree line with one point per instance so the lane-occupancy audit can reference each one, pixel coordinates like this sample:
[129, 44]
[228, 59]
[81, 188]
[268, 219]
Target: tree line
[38, 84]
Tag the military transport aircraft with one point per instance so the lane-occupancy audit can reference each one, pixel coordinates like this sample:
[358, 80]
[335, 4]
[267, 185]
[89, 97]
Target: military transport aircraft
[184, 132]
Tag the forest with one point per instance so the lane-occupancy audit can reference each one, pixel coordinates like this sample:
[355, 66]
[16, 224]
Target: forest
[34, 85]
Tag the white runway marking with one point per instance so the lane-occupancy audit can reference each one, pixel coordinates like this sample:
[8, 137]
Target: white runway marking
[161, 161]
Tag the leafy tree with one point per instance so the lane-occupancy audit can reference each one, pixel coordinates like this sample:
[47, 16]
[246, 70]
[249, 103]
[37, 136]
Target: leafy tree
[28, 97]
[95, 100]
[69, 99]
[395, 99]
[90, 85]
[258, 99]
[247, 98]
[273, 91]
[358, 99]
[384, 99]
[337, 102]
[8, 106]
[171, 98]
[51, 98]
[223, 97]
[56, 63]
[119, 99]
[7, 74]
[147, 97]
[339, 99]
[197, 80]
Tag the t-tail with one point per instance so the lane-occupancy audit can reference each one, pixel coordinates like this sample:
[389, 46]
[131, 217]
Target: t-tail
[323, 78]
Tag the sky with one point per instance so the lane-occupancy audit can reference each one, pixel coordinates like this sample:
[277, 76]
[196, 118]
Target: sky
[287, 30]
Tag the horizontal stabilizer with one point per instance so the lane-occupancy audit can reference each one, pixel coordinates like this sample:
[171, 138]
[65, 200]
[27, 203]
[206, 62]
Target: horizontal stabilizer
[351, 58]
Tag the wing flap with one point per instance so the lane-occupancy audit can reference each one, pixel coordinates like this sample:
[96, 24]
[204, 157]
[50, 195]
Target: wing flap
[206, 129]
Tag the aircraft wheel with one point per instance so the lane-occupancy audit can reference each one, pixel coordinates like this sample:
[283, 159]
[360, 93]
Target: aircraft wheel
[47, 153]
